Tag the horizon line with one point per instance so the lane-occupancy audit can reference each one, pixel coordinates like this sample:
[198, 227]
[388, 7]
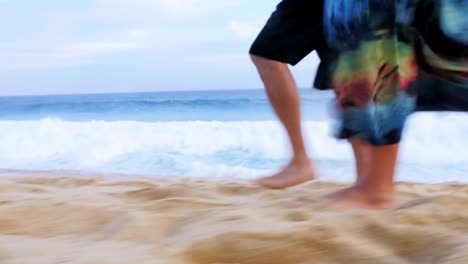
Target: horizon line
[136, 92]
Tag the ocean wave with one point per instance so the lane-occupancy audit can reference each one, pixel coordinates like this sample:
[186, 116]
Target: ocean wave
[173, 146]
[90, 106]
[136, 105]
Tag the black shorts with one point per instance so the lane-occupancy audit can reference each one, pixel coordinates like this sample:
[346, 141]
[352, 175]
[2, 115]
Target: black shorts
[293, 31]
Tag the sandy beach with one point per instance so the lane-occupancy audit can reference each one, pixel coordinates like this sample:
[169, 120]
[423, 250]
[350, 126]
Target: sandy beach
[64, 218]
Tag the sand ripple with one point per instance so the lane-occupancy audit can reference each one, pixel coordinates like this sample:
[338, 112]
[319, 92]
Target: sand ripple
[94, 220]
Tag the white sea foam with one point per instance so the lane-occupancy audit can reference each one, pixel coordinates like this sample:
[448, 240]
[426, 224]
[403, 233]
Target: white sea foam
[207, 148]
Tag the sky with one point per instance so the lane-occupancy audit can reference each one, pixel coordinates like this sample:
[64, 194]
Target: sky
[100, 46]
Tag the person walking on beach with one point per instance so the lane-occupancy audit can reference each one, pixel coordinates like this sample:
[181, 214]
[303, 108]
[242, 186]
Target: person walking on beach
[384, 60]
[292, 32]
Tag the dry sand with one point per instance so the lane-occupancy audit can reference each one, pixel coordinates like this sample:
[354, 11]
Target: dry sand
[96, 220]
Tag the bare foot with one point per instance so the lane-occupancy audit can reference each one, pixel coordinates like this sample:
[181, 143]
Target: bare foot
[294, 173]
[358, 197]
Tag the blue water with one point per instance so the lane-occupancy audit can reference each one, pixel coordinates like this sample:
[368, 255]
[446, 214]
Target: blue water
[207, 134]
[240, 105]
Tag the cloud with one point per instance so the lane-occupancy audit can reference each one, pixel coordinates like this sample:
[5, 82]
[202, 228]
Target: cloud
[35, 56]
[81, 33]
[247, 28]
[94, 49]
[157, 10]
[181, 8]
[226, 58]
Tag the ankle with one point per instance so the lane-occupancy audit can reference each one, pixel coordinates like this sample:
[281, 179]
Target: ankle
[377, 195]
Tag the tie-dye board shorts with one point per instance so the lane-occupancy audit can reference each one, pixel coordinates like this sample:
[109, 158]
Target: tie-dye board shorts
[386, 59]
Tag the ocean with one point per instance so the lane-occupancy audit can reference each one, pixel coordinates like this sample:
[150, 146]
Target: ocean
[215, 134]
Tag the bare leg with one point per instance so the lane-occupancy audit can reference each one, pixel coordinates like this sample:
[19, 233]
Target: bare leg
[362, 154]
[284, 98]
[376, 190]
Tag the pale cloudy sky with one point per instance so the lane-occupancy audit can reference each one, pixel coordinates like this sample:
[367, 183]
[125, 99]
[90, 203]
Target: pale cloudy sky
[94, 46]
